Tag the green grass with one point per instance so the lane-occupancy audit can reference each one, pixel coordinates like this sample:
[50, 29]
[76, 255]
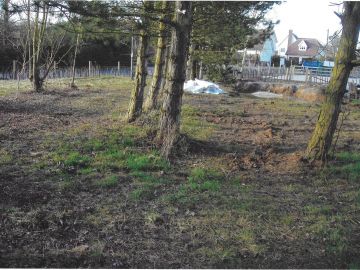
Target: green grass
[100, 153]
[202, 184]
[204, 179]
[193, 126]
[104, 82]
[355, 101]
[348, 166]
[146, 162]
[146, 184]
[5, 157]
[75, 159]
[108, 182]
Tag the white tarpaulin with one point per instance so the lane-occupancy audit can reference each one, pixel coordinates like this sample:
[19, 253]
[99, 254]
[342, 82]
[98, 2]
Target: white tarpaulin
[263, 94]
[199, 87]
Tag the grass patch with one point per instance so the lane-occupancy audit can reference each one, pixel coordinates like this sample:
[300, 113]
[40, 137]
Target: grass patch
[102, 152]
[140, 162]
[146, 185]
[203, 179]
[201, 184]
[75, 159]
[5, 157]
[104, 82]
[348, 166]
[107, 182]
[193, 126]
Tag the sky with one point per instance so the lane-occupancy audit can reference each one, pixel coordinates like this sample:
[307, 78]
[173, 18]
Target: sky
[307, 18]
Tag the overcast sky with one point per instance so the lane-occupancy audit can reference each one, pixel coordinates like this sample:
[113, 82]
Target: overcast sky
[307, 18]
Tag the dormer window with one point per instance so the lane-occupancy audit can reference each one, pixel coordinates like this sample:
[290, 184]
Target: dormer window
[302, 46]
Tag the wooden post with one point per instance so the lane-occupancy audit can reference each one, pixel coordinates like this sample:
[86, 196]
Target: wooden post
[89, 68]
[131, 59]
[118, 68]
[54, 72]
[201, 71]
[14, 70]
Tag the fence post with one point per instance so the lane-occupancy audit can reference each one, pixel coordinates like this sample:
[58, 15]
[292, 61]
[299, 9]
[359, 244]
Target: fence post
[118, 68]
[89, 68]
[14, 70]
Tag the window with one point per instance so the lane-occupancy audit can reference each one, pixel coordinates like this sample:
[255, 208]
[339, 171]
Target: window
[302, 46]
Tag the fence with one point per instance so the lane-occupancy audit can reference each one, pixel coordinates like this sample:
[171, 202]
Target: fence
[66, 72]
[294, 73]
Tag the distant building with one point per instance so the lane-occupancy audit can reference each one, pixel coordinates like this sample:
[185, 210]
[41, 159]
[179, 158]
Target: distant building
[304, 49]
[260, 53]
[283, 45]
[296, 50]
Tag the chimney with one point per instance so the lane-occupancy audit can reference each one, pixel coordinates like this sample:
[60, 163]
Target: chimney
[290, 37]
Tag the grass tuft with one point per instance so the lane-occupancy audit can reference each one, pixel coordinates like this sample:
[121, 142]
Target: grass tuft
[107, 182]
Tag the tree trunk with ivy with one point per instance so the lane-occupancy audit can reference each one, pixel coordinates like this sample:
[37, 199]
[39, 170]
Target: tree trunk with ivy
[321, 140]
[171, 109]
[137, 94]
[160, 60]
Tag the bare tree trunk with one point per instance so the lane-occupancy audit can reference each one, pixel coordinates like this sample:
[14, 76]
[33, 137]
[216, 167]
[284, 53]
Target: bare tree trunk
[35, 76]
[29, 40]
[164, 72]
[72, 84]
[151, 101]
[321, 140]
[38, 38]
[137, 95]
[190, 75]
[5, 7]
[171, 110]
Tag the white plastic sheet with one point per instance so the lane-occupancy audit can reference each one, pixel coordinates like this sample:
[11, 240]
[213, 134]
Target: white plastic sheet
[202, 87]
[263, 94]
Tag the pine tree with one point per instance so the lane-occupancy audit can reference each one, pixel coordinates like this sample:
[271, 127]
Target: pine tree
[175, 77]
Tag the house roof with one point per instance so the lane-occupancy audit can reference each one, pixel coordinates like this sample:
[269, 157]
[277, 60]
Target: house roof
[313, 46]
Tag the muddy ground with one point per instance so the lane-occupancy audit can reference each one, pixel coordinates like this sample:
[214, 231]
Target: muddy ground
[237, 195]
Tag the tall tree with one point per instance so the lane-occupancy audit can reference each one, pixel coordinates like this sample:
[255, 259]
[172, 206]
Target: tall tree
[137, 94]
[6, 16]
[321, 140]
[175, 77]
[37, 43]
[222, 27]
[151, 101]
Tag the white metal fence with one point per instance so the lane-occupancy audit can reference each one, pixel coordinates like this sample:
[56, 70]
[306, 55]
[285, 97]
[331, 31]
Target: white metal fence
[319, 75]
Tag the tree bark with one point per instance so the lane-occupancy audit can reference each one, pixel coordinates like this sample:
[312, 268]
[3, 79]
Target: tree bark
[152, 98]
[35, 76]
[72, 84]
[137, 95]
[190, 75]
[5, 7]
[171, 109]
[321, 140]
[38, 39]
